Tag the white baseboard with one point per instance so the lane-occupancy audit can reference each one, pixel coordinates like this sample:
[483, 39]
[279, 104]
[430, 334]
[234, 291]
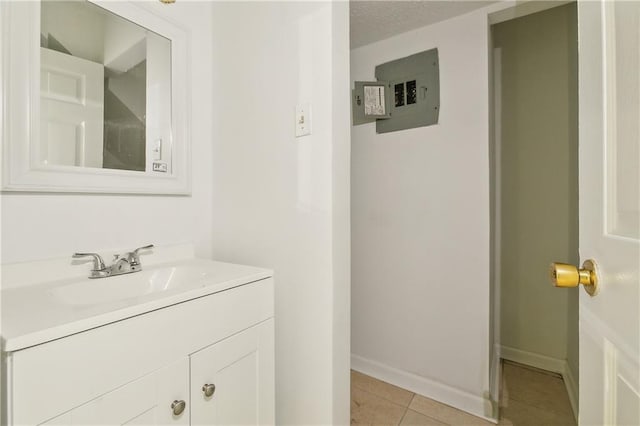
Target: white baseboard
[465, 401]
[572, 389]
[549, 364]
[495, 376]
[542, 362]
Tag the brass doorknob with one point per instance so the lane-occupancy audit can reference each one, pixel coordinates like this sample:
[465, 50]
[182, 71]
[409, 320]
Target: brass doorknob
[565, 275]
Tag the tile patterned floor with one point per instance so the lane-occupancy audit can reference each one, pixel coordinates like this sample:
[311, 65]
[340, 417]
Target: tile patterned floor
[530, 397]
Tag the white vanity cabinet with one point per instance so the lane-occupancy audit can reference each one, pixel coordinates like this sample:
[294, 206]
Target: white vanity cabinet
[145, 401]
[133, 370]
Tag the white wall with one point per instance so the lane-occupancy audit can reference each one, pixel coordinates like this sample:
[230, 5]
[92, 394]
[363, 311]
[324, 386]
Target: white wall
[260, 196]
[124, 44]
[539, 189]
[39, 226]
[64, 20]
[341, 203]
[280, 201]
[420, 226]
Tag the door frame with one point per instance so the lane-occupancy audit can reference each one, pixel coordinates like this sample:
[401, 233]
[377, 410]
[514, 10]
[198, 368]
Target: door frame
[495, 143]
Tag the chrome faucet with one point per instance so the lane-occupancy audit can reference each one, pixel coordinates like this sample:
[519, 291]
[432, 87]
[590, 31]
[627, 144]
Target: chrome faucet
[122, 264]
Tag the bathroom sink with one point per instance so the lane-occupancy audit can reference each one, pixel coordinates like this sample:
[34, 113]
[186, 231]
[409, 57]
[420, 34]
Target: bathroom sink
[135, 285]
[47, 310]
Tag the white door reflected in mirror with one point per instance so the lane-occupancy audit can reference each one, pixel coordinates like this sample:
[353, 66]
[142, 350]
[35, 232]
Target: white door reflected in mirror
[71, 110]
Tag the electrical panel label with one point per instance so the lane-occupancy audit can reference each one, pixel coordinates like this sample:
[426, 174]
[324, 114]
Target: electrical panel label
[374, 100]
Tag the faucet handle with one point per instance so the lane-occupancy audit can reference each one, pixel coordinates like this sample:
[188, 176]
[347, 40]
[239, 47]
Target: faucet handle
[142, 248]
[133, 256]
[98, 263]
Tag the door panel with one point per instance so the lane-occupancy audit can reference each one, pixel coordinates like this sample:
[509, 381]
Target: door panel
[146, 401]
[145, 419]
[120, 406]
[622, 88]
[609, 94]
[240, 368]
[71, 110]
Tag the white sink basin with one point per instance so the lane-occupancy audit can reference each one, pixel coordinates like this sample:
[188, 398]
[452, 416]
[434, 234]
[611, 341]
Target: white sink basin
[133, 285]
[33, 314]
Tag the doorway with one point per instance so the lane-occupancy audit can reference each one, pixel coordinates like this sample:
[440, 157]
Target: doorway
[535, 208]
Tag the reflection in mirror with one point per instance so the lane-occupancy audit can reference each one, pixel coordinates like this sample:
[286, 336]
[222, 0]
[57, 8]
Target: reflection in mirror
[105, 90]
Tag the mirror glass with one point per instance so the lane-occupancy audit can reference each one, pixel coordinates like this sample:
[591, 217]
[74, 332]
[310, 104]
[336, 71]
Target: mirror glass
[105, 91]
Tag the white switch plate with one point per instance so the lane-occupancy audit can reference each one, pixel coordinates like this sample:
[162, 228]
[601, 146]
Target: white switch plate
[303, 119]
[157, 150]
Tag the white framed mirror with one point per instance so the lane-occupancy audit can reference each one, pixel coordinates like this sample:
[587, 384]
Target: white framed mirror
[95, 97]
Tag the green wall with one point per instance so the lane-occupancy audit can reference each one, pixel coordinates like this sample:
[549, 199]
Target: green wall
[539, 181]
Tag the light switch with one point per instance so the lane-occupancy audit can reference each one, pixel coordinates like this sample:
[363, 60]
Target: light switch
[157, 149]
[303, 119]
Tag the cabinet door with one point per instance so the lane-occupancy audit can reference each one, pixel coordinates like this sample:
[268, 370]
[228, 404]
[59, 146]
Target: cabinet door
[241, 368]
[146, 401]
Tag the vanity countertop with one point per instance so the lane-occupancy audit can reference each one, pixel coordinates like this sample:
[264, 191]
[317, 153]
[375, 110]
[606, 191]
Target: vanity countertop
[41, 312]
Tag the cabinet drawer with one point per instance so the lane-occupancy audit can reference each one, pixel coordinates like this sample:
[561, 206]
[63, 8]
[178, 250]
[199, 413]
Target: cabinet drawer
[47, 380]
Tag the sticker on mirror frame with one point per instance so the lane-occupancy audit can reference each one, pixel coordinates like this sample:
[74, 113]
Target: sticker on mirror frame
[159, 167]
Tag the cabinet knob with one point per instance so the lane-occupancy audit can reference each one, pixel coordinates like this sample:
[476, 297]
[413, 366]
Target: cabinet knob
[178, 407]
[208, 389]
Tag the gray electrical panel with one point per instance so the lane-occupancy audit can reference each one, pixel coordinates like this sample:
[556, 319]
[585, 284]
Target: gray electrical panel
[411, 95]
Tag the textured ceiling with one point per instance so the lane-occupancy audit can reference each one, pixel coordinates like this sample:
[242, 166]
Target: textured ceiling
[376, 20]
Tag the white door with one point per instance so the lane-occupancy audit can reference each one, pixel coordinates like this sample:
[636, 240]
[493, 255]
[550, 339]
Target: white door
[232, 382]
[71, 110]
[609, 130]
[150, 400]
